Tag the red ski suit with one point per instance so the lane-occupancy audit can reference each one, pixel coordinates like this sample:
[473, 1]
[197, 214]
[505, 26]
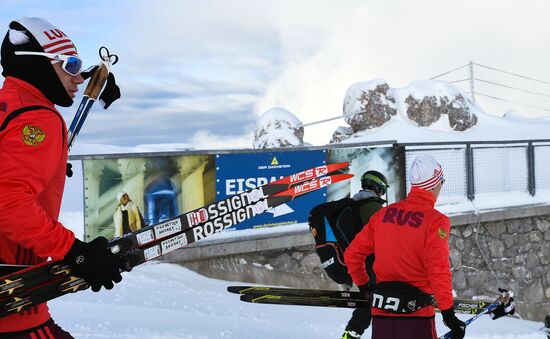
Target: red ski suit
[33, 158]
[410, 242]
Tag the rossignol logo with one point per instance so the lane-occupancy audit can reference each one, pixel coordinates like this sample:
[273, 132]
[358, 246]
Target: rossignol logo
[228, 220]
[225, 206]
[195, 218]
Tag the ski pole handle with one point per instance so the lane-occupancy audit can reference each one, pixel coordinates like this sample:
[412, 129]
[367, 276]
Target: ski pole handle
[97, 81]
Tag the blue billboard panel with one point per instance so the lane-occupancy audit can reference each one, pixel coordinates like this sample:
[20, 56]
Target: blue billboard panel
[239, 172]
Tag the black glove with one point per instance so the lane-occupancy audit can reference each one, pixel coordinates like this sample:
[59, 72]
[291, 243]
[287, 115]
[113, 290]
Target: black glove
[95, 263]
[504, 309]
[111, 91]
[366, 289]
[457, 326]
[69, 170]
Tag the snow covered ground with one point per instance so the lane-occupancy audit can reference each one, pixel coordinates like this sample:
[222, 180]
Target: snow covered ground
[169, 301]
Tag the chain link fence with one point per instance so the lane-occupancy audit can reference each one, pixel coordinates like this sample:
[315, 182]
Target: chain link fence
[486, 168]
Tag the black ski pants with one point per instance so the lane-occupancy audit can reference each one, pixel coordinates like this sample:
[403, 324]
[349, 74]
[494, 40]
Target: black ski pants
[403, 328]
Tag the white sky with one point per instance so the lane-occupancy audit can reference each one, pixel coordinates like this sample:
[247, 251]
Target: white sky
[201, 72]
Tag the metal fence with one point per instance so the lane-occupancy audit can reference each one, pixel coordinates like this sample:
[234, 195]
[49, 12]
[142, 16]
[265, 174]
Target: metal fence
[474, 168]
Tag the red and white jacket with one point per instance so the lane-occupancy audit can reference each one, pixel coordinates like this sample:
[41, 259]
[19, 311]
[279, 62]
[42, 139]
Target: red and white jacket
[410, 241]
[33, 158]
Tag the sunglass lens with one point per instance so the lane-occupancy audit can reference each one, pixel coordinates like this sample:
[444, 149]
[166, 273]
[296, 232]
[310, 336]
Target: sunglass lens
[73, 65]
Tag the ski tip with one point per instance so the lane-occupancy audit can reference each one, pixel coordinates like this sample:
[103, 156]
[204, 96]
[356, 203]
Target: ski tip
[235, 289]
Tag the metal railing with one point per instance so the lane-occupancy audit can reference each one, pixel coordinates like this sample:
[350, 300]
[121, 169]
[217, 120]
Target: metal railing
[488, 167]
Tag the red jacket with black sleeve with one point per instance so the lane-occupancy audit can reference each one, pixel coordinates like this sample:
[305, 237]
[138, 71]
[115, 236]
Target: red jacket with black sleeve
[410, 241]
[33, 158]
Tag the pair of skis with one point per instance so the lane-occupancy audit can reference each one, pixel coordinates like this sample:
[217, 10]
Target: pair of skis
[328, 298]
[40, 283]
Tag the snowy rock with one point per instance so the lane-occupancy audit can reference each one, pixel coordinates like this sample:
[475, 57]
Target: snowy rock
[341, 133]
[368, 105]
[278, 128]
[373, 104]
[435, 99]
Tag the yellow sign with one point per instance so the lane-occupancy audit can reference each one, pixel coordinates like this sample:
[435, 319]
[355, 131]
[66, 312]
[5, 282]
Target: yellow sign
[274, 161]
[32, 135]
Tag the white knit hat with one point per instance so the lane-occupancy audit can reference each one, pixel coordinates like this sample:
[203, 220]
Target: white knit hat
[120, 195]
[425, 172]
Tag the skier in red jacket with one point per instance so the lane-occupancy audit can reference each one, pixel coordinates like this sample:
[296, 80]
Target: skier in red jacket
[410, 242]
[41, 69]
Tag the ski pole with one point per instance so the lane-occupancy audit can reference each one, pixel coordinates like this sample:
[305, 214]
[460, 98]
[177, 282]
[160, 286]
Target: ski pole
[92, 91]
[501, 300]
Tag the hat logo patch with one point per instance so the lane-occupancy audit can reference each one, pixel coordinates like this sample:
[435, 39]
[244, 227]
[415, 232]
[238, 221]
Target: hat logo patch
[33, 135]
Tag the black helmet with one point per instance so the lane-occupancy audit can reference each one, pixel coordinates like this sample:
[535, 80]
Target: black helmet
[374, 181]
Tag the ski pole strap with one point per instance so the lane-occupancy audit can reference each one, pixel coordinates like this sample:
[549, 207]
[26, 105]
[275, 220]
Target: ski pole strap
[399, 297]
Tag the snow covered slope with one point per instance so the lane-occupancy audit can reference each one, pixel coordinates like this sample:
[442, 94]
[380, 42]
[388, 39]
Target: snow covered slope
[169, 301]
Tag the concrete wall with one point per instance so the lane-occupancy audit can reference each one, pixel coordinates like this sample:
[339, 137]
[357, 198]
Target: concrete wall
[508, 248]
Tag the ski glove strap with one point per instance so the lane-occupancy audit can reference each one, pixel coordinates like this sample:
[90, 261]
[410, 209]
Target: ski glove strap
[457, 326]
[95, 263]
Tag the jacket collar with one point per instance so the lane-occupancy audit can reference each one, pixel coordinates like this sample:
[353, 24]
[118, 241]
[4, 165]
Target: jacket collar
[421, 197]
[12, 82]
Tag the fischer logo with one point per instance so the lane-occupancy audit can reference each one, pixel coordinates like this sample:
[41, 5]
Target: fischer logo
[312, 185]
[467, 305]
